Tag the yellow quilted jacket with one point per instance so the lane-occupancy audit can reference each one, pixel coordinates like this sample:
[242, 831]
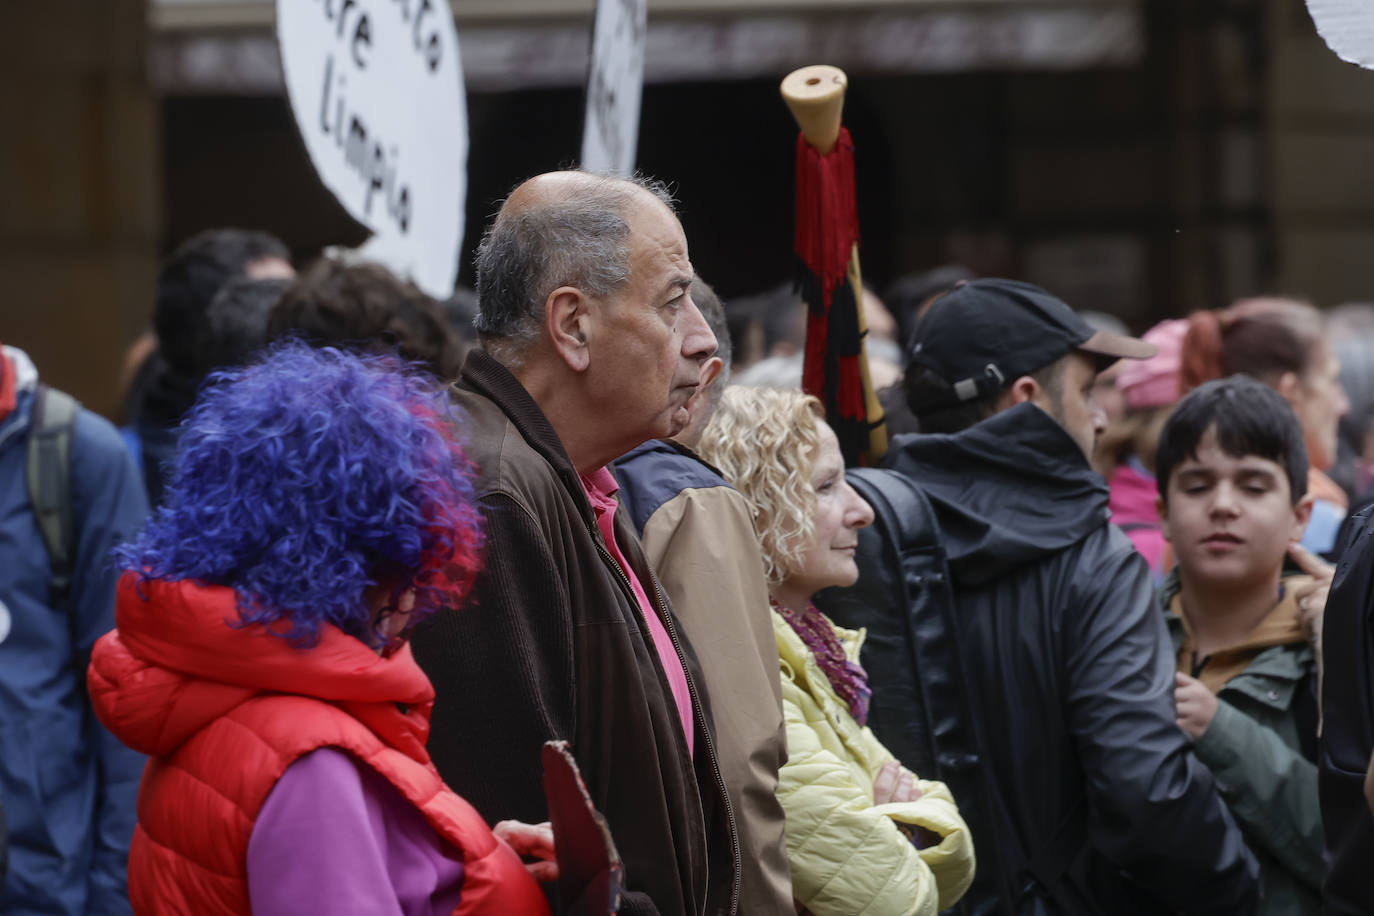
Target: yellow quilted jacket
[847, 856]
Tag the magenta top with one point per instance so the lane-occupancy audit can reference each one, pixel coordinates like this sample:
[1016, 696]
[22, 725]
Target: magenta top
[601, 488]
[1133, 492]
[335, 837]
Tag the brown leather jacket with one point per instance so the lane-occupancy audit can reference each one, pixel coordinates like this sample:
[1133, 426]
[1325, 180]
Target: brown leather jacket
[553, 645]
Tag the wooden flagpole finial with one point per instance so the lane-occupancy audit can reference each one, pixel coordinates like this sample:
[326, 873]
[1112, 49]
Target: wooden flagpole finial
[816, 97]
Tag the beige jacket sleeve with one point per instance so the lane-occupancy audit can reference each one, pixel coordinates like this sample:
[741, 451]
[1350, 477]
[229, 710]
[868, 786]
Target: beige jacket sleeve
[702, 546]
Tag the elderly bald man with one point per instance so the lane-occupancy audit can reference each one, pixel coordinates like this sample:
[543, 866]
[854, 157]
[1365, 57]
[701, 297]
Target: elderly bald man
[590, 345]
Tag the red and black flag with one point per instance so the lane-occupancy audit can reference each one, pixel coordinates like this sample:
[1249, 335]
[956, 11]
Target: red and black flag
[827, 270]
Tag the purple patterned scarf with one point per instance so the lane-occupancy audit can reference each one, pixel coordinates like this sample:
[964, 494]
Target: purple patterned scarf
[849, 681]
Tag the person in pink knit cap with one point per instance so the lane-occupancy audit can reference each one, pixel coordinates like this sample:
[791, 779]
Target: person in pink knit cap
[1126, 451]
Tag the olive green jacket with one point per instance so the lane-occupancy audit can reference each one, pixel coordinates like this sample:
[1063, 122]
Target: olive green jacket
[1253, 748]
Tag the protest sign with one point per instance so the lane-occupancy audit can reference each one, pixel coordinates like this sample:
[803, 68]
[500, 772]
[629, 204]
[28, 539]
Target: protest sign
[376, 87]
[1347, 27]
[591, 875]
[615, 80]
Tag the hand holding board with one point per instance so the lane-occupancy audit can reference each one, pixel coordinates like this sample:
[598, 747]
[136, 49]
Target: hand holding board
[590, 873]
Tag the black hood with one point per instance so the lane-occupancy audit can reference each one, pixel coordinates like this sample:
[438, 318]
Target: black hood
[1007, 491]
[162, 395]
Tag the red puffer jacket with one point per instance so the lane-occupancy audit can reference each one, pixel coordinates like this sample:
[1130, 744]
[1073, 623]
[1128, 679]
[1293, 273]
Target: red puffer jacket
[223, 711]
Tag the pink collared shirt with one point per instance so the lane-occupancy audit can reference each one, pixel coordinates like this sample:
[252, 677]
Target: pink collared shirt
[601, 489]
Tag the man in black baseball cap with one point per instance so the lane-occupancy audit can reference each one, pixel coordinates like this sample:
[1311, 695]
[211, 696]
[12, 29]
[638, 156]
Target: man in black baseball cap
[978, 341]
[1083, 790]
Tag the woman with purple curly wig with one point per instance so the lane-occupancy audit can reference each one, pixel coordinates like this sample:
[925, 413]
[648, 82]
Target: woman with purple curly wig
[319, 504]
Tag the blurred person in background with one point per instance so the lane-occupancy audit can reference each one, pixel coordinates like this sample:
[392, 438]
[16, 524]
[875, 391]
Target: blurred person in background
[366, 308]
[69, 492]
[864, 834]
[1350, 329]
[783, 368]
[746, 332]
[882, 326]
[698, 535]
[461, 311]
[135, 371]
[772, 326]
[317, 507]
[908, 298]
[910, 295]
[1282, 343]
[773, 372]
[235, 325]
[1105, 391]
[767, 324]
[881, 343]
[1125, 453]
[164, 386]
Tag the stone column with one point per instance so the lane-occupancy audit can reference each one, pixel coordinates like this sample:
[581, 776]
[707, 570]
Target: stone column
[80, 219]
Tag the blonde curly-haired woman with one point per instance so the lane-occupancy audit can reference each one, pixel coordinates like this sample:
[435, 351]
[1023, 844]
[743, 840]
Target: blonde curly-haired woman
[864, 834]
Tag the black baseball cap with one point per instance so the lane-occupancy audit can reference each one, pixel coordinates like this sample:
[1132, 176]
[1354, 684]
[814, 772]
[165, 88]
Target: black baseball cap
[984, 334]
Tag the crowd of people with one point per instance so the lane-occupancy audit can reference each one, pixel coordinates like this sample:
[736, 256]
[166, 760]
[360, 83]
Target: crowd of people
[1094, 638]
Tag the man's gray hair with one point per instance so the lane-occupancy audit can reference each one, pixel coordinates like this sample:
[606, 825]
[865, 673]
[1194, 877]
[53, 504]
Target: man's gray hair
[581, 238]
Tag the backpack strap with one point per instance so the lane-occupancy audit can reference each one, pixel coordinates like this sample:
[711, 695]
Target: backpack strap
[48, 474]
[932, 627]
[881, 606]
[940, 727]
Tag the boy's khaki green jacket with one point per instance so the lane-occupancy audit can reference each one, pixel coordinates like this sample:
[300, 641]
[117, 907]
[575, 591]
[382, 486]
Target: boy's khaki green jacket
[1253, 749]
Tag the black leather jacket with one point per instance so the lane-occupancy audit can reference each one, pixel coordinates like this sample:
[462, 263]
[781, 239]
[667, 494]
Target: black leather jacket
[1067, 656]
[1347, 736]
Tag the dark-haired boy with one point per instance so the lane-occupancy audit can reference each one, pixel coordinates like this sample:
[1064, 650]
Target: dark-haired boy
[1232, 471]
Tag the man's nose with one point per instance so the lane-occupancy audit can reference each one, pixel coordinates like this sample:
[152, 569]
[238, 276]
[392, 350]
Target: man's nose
[698, 342]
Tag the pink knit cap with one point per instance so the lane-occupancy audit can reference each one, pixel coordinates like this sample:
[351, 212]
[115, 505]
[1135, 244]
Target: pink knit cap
[1155, 382]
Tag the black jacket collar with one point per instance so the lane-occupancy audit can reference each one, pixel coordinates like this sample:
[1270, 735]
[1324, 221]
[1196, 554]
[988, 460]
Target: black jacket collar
[1008, 490]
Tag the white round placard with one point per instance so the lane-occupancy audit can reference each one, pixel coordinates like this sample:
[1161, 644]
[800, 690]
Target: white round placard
[1347, 27]
[376, 87]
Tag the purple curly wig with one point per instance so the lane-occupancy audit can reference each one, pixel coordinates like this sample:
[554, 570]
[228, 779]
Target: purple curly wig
[309, 477]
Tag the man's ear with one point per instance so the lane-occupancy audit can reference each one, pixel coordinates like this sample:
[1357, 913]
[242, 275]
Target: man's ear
[1302, 514]
[1288, 386]
[710, 371]
[567, 318]
[1162, 510]
[1021, 390]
